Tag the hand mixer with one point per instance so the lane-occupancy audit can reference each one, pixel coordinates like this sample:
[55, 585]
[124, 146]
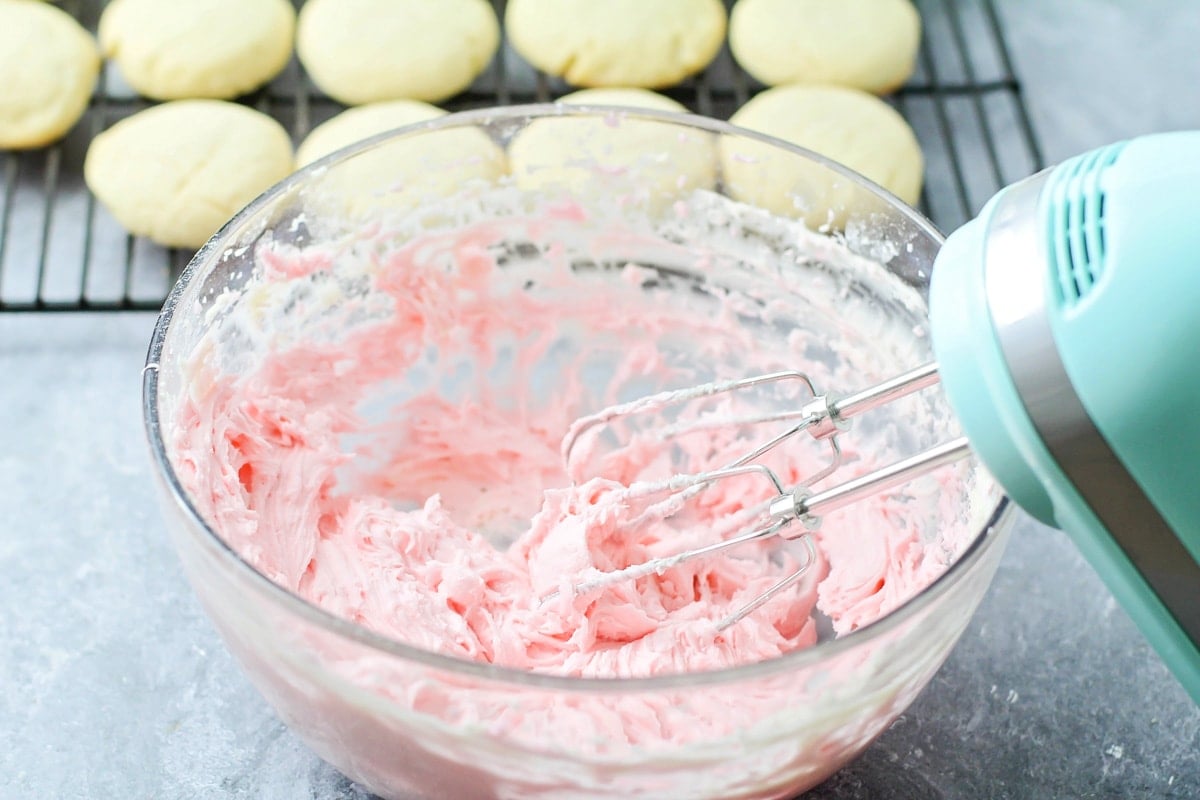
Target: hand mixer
[1066, 326]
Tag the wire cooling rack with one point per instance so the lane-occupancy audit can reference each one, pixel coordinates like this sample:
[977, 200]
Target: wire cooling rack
[61, 251]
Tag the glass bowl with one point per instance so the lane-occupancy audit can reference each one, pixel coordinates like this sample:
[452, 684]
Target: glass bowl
[803, 260]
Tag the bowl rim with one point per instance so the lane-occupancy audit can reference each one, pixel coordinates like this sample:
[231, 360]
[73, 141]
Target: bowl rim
[209, 255]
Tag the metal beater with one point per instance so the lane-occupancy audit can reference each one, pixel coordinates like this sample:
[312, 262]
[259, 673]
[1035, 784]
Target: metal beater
[1066, 328]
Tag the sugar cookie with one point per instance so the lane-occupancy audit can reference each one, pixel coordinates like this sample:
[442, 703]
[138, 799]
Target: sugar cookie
[643, 43]
[355, 124]
[849, 126]
[199, 48]
[178, 171]
[634, 98]
[865, 44]
[399, 174]
[363, 51]
[48, 66]
[631, 159]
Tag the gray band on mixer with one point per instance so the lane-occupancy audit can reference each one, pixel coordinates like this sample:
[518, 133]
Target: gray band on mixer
[1013, 279]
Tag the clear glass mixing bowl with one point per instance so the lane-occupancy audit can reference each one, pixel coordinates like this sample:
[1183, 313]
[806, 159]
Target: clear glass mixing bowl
[407, 722]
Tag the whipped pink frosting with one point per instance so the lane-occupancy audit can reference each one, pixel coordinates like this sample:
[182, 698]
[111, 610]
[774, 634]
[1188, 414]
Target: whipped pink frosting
[336, 461]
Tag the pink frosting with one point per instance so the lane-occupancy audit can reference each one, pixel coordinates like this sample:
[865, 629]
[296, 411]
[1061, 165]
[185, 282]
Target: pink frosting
[443, 518]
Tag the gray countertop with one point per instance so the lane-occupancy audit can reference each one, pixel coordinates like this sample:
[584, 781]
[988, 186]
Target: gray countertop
[113, 684]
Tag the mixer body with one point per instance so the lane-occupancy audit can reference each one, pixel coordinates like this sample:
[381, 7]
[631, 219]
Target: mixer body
[1066, 324]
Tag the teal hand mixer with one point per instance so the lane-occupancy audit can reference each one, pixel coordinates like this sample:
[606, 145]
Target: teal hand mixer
[1066, 326]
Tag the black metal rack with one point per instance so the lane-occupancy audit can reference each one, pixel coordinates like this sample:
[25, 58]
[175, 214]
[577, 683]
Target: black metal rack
[61, 251]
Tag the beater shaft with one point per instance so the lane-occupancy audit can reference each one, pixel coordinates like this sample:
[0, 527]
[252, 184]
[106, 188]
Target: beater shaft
[882, 393]
[809, 507]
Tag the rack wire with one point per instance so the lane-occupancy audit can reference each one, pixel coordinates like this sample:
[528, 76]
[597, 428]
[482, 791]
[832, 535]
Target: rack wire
[61, 251]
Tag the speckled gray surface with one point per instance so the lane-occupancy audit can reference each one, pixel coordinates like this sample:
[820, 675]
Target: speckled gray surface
[112, 684]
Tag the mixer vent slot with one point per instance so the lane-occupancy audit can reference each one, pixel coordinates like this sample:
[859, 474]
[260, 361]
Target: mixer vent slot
[1075, 216]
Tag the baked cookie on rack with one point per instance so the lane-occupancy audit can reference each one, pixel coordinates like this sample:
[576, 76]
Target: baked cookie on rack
[200, 48]
[364, 51]
[642, 43]
[361, 122]
[651, 163]
[178, 171]
[399, 174]
[48, 67]
[849, 126]
[864, 44]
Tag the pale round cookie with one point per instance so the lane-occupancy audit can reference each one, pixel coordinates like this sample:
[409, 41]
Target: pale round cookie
[355, 124]
[48, 66]
[623, 96]
[849, 126]
[865, 44]
[640, 160]
[198, 48]
[363, 51]
[402, 173]
[178, 171]
[646, 43]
